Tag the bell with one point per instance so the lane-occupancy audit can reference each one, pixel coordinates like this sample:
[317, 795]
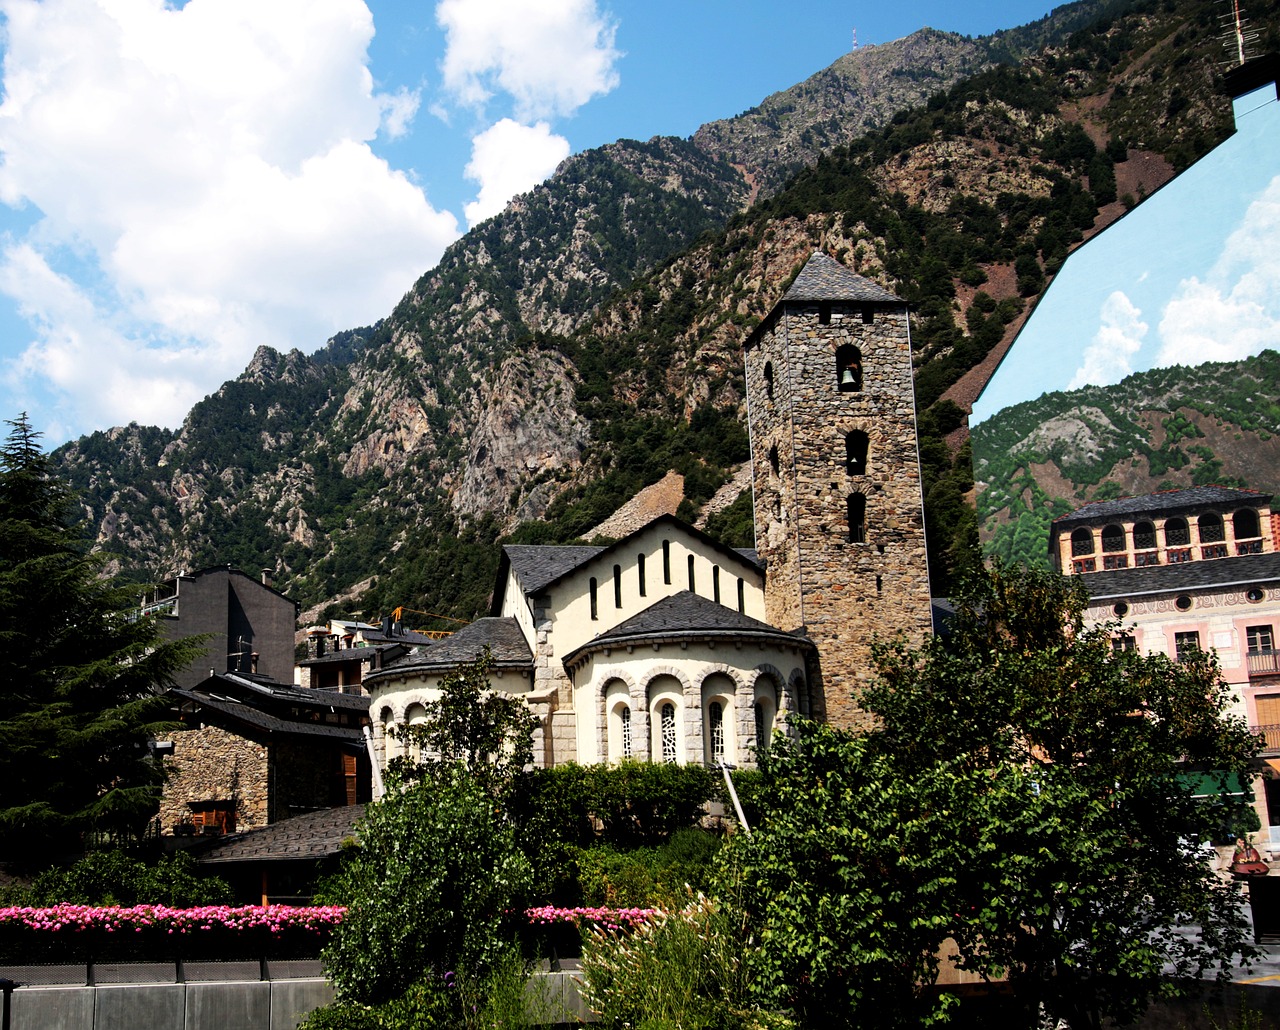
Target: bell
[847, 378]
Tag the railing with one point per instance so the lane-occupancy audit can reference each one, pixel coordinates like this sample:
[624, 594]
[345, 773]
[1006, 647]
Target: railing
[1263, 663]
[1270, 736]
[1248, 547]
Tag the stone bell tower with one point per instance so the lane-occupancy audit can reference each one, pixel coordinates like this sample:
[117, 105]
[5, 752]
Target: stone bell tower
[836, 476]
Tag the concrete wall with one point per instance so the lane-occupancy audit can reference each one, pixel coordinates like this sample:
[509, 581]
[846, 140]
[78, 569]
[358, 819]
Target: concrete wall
[244, 1005]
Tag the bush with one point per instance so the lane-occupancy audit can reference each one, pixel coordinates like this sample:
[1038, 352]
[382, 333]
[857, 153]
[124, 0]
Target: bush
[113, 878]
[647, 876]
[437, 885]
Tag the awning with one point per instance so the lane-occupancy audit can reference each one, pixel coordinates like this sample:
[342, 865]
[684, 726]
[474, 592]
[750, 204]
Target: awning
[1215, 784]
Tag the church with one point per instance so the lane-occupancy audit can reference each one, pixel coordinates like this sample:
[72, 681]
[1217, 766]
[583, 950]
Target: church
[666, 645]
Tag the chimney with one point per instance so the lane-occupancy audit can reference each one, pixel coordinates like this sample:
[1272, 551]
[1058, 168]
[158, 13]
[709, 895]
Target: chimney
[268, 578]
[387, 626]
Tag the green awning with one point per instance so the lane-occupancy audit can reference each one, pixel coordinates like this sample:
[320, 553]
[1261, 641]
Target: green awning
[1215, 784]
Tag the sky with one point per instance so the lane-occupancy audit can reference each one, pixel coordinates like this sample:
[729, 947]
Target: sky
[183, 182]
[1190, 275]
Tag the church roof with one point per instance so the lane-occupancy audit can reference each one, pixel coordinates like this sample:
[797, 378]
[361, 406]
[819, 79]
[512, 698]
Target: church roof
[502, 636]
[1166, 502]
[688, 616]
[824, 278]
[536, 565]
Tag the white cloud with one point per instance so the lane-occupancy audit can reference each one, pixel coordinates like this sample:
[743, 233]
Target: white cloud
[1235, 311]
[210, 167]
[550, 56]
[510, 158]
[1107, 358]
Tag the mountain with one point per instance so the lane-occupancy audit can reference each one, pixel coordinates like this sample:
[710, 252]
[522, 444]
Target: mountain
[574, 349]
[1166, 429]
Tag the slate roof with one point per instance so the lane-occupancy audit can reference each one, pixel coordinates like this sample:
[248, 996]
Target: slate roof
[408, 637]
[824, 278]
[536, 565]
[248, 715]
[1165, 502]
[304, 837]
[1192, 575]
[351, 654]
[503, 636]
[286, 692]
[690, 616]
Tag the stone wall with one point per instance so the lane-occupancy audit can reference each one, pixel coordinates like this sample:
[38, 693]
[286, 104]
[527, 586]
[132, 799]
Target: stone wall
[845, 593]
[211, 763]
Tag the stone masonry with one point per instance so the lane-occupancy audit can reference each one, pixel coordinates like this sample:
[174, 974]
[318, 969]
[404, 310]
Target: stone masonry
[212, 764]
[846, 585]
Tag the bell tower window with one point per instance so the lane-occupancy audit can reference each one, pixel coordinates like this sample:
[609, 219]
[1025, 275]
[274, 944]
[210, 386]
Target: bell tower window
[849, 368]
[856, 445]
[857, 510]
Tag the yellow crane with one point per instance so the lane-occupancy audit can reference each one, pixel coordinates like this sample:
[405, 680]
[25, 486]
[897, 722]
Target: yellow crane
[435, 634]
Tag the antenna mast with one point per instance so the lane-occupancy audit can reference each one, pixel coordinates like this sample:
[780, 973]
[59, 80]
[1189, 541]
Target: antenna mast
[1237, 36]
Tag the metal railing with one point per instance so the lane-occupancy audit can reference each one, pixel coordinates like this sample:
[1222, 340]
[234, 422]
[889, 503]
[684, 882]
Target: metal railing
[1271, 737]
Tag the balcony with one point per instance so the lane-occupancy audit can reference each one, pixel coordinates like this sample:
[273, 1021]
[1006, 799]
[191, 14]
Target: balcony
[1271, 739]
[1263, 663]
[1248, 547]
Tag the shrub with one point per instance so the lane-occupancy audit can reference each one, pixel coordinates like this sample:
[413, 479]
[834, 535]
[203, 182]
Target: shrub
[113, 878]
[647, 876]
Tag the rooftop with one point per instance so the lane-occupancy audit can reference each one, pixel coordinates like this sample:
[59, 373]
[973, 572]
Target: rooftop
[1166, 502]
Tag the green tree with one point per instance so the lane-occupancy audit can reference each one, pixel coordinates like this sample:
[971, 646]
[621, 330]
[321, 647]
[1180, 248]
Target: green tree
[1023, 794]
[78, 675]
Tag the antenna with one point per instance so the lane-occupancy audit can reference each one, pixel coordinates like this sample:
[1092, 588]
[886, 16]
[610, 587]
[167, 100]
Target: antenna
[1237, 35]
[855, 39]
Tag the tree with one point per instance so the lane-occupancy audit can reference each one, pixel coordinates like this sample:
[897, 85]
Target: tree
[78, 674]
[1024, 794]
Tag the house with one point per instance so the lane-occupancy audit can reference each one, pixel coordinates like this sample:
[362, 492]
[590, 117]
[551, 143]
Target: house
[340, 654]
[668, 646]
[1189, 570]
[248, 624]
[252, 751]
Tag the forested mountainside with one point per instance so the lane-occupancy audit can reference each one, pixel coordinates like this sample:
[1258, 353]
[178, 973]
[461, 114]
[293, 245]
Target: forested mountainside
[577, 347]
[1166, 429]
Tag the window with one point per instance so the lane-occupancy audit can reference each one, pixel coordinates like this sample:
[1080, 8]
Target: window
[1186, 645]
[213, 817]
[868, 316]
[1178, 555]
[1112, 538]
[595, 607]
[1122, 642]
[667, 721]
[1183, 602]
[1084, 565]
[763, 729]
[1115, 561]
[1245, 523]
[1213, 551]
[1081, 542]
[1260, 639]
[1144, 535]
[715, 723]
[774, 463]
[856, 446]
[848, 369]
[1211, 530]
[1145, 558]
[1176, 533]
[617, 586]
[416, 717]
[715, 583]
[742, 596]
[824, 312]
[666, 562]
[857, 513]
[693, 589]
[640, 572]
[624, 720]
[768, 380]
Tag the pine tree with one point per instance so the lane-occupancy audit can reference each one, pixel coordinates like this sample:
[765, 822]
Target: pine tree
[80, 677]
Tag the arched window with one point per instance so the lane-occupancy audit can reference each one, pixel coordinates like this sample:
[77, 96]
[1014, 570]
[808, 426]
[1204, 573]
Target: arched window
[640, 572]
[763, 730]
[765, 710]
[742, 596]
[666, 561]
[715, 583]
[416, 716]
[390, 745]
[1144, 536]
[1176, 533]
[693, 589]
[1081, 542]
[848, 368]
[768, 380]
[1211, 529]
[594, 590]
[617, 586]
[1245, 523]
[715, 732]
[857, 506]
[624, 718]
[667, 724]
[1113, 538]
[856, 445]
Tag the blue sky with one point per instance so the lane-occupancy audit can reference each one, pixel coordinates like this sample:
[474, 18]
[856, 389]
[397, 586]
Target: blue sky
[180, 183]
[1190, 275]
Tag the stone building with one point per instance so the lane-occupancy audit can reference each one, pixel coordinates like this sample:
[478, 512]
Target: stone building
[839, 514]
[667, 645]
[253, 752]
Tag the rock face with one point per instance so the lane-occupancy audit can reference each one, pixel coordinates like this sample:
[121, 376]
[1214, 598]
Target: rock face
[838, 507]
